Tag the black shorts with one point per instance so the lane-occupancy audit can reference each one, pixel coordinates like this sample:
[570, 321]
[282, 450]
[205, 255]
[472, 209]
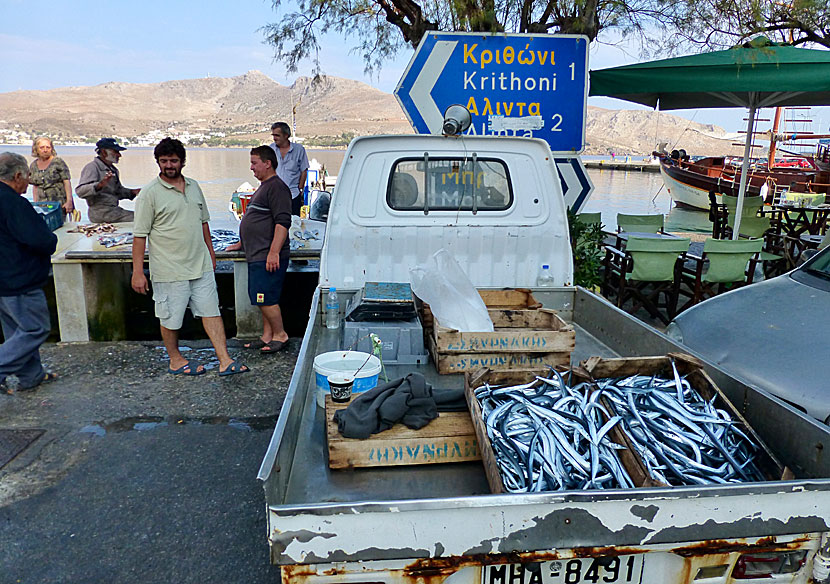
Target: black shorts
[296, 205]
[264, 287]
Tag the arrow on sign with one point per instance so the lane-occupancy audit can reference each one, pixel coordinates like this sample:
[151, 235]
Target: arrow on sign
[530, 85]
[421, 88]
[576, 185]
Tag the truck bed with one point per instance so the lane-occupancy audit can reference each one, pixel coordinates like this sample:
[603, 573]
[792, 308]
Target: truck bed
[312, 481]
[307, 499]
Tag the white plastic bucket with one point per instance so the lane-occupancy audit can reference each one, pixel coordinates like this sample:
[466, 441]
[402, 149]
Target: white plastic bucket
[345, 363]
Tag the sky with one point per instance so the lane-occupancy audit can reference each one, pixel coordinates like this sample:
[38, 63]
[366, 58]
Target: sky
[86, 42]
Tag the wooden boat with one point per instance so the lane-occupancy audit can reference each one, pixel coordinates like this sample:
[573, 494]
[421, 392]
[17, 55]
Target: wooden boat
[689, 182]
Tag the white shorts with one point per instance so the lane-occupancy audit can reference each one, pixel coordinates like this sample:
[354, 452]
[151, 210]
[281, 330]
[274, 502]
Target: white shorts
[172, 298]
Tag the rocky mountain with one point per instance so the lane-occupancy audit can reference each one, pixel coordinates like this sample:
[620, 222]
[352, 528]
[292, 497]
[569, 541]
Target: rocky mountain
[329, 111]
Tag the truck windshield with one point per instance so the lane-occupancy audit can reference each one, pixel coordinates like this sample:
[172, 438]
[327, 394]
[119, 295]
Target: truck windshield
[449, 184]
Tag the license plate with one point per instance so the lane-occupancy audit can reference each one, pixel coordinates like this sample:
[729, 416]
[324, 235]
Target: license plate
[610, 570]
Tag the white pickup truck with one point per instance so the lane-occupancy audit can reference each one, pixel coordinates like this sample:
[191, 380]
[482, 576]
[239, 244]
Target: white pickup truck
[496, 204]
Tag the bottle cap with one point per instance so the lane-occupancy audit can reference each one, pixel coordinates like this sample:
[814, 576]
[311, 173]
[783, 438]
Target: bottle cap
[545, 266]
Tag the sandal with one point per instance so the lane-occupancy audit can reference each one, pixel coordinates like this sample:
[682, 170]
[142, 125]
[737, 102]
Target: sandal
[190, 368]
[234, 368]
[257, 344]
[274, 347]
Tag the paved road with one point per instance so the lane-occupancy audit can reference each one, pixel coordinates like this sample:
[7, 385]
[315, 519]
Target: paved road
[140, 477]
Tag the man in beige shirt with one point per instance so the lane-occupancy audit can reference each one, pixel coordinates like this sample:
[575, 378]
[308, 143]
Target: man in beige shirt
[172, 213]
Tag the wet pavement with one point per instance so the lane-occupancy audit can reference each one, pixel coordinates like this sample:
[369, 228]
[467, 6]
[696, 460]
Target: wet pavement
[140, 476]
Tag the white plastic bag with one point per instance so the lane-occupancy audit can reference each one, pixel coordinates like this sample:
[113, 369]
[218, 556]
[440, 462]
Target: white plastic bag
[451, 296]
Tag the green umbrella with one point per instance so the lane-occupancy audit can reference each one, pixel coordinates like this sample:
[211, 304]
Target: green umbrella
[754, 75]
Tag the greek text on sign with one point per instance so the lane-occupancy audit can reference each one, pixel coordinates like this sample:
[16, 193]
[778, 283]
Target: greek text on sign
[515, 85]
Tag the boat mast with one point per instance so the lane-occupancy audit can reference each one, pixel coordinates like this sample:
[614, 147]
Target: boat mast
[775, 123]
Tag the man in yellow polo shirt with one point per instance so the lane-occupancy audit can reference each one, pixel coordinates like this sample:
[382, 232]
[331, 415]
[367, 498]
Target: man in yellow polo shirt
[172, 213]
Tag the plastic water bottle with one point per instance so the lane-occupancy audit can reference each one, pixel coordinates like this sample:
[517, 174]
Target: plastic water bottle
[332, 310]
[545, 278]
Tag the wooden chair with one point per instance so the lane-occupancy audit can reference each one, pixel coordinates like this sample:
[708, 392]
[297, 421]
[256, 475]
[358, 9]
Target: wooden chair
[753, 226]
[590, 218]
[640, 223]
[724, 264]
[646, 270]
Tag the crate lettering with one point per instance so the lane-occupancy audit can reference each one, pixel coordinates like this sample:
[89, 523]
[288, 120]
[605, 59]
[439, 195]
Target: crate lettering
[427, 451]
[511, 342]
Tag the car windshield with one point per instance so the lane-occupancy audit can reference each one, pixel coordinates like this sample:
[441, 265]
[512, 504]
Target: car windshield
[820, 266]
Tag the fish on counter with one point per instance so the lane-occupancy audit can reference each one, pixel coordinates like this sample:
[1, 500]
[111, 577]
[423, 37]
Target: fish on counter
[91, 229]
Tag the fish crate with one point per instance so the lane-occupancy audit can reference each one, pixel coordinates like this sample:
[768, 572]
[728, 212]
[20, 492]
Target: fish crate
[526, 337]
[448, 438]
[475, 379]
[51, 213]
[692, 369]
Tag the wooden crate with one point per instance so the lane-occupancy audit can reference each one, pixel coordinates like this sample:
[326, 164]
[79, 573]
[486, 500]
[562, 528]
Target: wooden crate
[448, 438]
[526, 337]
[477, 378]
[692, 369]
[512, 299]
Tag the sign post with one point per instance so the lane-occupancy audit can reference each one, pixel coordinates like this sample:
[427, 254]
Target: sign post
[532, 85]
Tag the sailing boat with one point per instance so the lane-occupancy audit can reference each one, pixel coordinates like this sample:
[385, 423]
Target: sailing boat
[690, 182]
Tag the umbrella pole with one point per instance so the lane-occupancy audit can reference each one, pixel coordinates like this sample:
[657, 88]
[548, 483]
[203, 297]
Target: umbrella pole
[739, 206]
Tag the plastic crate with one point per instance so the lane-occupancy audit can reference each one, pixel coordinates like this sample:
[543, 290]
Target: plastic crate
[51, 213]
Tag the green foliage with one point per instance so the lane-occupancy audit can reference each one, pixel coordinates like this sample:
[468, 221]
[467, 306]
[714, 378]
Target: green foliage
[383, 28]
[586, 246]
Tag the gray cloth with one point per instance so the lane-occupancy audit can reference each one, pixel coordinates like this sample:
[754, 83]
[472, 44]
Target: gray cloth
[103, 204]
[410, 400]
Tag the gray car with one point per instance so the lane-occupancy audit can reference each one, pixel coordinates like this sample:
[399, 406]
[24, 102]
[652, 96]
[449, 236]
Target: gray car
[772, 335]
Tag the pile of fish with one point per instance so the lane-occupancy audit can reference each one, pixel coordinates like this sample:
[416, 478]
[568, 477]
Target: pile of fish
[222, 238]
[682, 438]
[549, 436]
[94, 229]
[116, 239]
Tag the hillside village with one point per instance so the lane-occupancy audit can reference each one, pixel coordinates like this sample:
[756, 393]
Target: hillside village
[238, 111]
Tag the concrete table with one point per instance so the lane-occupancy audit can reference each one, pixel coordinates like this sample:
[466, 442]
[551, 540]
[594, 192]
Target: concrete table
[91, 282]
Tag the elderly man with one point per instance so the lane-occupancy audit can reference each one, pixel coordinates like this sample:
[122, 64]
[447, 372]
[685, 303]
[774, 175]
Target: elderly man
[101, 186]
[292, 163]
[263, 235]
[172, 213]
[27, 245]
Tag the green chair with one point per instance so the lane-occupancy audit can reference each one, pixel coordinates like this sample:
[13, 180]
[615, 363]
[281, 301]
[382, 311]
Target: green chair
[639, 223]
[754, 226]
[646, 270]
[751, 224]
[724, 264]
[589, 218]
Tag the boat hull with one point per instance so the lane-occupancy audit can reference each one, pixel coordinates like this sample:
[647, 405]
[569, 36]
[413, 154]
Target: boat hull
[686, 195]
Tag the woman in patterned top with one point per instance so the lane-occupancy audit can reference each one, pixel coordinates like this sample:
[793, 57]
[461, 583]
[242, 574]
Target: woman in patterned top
[50, 175]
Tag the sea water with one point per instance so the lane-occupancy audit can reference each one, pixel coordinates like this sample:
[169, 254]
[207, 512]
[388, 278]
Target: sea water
[220, 170]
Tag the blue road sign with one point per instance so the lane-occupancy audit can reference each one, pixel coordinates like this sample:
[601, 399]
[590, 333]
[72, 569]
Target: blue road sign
[532, 85]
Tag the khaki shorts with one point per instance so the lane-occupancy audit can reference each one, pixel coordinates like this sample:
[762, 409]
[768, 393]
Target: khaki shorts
[172, 298]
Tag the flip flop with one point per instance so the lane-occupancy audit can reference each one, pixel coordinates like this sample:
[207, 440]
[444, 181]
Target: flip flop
[191, 368]
[273, 347]
[257, 344]
[234, 368]
[48, 377]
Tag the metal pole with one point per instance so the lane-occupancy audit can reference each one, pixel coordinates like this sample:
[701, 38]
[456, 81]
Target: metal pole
[739, 206]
